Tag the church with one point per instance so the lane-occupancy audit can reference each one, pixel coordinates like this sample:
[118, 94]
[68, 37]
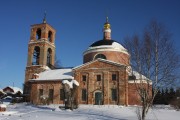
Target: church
[103, 77]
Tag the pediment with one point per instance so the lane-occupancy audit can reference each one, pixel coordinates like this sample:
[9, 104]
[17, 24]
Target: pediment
[99, 64]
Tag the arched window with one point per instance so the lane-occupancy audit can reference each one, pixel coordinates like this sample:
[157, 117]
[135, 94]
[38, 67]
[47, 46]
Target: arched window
[36, 56]
[38, 34]
[100, 56]
[50, 36]
[49, 56]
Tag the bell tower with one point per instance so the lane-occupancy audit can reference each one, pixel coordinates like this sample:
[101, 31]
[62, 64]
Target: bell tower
[41, 49]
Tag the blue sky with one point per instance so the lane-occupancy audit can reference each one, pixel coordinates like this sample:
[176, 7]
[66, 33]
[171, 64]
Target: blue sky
[78, 24]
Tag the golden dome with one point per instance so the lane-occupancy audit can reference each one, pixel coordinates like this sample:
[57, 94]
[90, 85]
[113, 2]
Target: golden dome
[107, 26]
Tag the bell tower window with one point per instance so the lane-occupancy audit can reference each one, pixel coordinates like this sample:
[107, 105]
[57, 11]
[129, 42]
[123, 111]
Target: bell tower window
[49, 56]
[50, 36]
[36, 56]
[38, 34]
[100, 56]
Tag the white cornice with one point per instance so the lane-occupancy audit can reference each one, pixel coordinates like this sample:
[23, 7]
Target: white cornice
[35, 66]
[41, 41]
[104, 49]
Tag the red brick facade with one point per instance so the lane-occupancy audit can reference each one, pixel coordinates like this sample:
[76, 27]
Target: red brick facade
[46, 86]
[105, 85]
[44, 32]
[133, 96]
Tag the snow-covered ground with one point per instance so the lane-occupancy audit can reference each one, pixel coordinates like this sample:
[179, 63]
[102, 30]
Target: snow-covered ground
[25, 111]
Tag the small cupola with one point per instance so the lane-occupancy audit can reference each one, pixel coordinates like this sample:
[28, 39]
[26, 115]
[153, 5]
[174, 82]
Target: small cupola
[107, 30]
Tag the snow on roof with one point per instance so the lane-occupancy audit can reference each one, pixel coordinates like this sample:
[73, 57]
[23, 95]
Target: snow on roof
[15, 89]
[138, 75]
[99, 59]
[139, 78]
[2, 91]
[70, 83]
[75, 82]
[3, 106]
[47, 68]
[57, 74]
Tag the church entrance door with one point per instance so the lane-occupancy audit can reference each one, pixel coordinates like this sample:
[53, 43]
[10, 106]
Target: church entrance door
[98, 98]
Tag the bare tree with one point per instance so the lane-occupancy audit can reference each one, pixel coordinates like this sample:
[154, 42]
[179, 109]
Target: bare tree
[57, 63]
[155, 57]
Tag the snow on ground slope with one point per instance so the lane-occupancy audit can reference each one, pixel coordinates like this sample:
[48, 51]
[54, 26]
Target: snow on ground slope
[84, 112]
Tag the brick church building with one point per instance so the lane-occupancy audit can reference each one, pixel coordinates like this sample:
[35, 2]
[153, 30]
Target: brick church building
[103, 77]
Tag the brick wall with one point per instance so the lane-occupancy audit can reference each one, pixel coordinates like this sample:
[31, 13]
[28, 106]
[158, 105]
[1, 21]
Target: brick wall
[45, 28]
[46, 85]
[104, 85]
[114, 56]
[133, 96]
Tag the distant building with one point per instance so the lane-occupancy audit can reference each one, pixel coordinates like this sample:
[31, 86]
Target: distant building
[103, 77]
[12, 90]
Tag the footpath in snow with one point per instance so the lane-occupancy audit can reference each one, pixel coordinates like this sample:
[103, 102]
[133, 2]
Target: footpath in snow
[25, 111]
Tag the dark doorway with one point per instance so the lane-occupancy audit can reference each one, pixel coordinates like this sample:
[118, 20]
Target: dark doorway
[98, 98]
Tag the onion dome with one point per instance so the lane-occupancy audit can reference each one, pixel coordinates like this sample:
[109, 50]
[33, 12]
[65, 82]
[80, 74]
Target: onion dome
[106, 49]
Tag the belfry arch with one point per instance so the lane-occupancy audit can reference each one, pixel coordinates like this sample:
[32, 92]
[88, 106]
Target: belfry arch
[49, 56]
[38, 34]
[36, 56]
[50, 36]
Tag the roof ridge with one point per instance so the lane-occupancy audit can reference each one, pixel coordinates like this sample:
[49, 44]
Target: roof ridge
[99, 59]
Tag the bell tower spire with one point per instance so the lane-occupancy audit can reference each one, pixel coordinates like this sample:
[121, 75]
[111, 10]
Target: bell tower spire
[44, 19]
[107, 30]
[107, 19]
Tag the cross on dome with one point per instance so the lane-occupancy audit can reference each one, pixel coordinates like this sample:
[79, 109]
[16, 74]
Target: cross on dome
[107, 24]
[44, 19]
